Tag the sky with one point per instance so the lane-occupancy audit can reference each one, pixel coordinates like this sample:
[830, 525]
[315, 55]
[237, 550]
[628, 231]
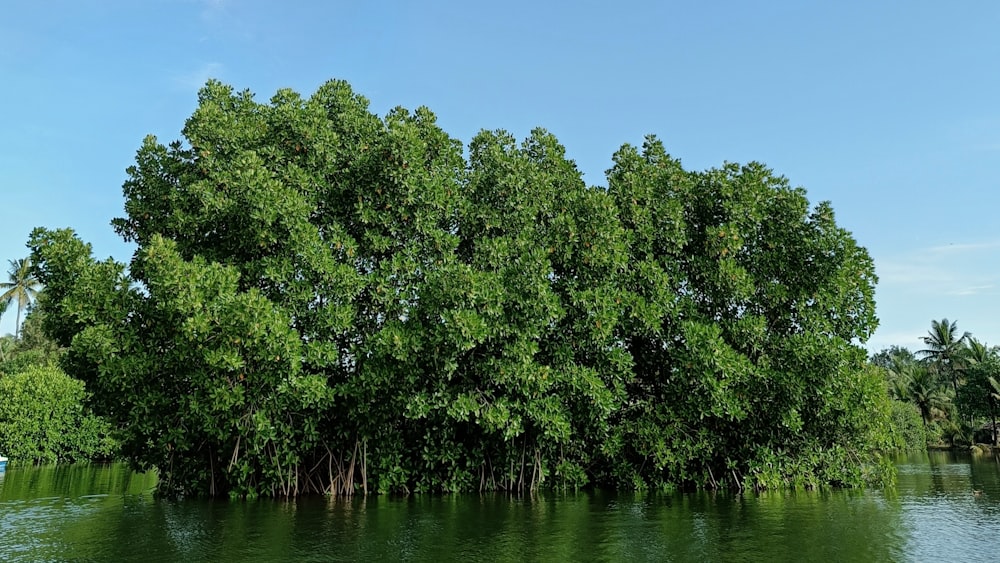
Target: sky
[889, 110]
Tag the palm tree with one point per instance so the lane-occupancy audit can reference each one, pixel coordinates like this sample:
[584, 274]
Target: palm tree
[926, 392]
[4, 345]
[900, 369]
[944, 349]
[22, 287]
[977, 352]
[992, 399]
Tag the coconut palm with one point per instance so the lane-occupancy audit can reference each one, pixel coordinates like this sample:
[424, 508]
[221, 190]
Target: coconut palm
[977, 352]
[5, 346]
[945, 348]
[993, 399]
[927, 393]
[22, 287]
[898, 365]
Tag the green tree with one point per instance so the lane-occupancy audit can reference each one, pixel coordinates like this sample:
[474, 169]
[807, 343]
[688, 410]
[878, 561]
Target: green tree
[22, 286]
[747, 304]
[34, 348]
[945, 349]
[551, 249]
[901, 377]
[892, 357]
[909, 425]
[899, 364]
[979, 397]
[928, 393]
[43, 419]
[977, 351]
[326, 300]
[6, 341]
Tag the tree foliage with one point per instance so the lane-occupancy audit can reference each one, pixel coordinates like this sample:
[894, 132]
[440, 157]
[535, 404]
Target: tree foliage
[325, 300]
[21, 287]
[951, 385]
[43, 419]
[946, 350]
[33, 348]
[909, 426]
[980, 396]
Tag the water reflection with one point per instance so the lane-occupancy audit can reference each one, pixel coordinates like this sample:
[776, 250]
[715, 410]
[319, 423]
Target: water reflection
[105, 513]
[951, 505]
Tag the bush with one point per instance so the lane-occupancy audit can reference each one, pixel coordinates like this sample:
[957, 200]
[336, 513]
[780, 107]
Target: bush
[21, 361]
[908, 426]
[43, 420]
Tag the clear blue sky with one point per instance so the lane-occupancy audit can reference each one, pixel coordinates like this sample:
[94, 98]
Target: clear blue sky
[891, 110]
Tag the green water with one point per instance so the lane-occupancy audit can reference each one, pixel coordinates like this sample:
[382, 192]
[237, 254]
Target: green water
[105, 513]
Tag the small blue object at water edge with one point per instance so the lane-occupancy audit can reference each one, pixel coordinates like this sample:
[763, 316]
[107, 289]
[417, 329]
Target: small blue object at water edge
[3, 464]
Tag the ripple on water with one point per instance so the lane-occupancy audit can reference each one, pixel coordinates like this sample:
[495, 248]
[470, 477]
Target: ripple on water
[932, 515]
[951, 469]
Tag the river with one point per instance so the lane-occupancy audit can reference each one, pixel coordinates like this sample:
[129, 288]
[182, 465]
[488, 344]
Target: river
[945, 506]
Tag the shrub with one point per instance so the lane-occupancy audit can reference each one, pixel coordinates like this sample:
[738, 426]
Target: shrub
[43, 420]
[908, 426]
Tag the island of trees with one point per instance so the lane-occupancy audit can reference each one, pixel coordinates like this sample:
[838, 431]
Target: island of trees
[323, 300]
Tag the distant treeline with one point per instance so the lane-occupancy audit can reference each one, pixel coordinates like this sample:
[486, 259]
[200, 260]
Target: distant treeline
[328, 301]
[946, 394]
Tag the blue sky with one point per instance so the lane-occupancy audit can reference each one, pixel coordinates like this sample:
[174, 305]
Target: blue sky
[887, 109]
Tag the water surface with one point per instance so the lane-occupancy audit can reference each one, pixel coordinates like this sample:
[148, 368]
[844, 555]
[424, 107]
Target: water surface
[945, 507]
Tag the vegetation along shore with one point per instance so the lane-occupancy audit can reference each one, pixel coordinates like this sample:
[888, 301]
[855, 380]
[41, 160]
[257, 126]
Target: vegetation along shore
[323, 300]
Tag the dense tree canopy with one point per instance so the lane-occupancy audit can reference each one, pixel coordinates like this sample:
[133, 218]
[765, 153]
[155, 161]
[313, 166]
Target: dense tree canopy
[323, 300]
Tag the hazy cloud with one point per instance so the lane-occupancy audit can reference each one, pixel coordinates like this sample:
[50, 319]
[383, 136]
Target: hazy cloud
[210, 9]
[958, 281]
[973, 290]
[964, 247]
[194, 80]
[912, 339]
[912, 271]
[954, 269]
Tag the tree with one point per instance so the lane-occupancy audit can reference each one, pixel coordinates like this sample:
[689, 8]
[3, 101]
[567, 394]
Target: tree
[898, 363]
[324, 300]
[4, 344]
[34, 348]
[912, 404]
[977, 351]
[901, 378]
[945, 349]
[892, 357]
[7, 343]
[980, 396]
[745, 308]
[22, 286]
[927, 393]
[43, 419]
